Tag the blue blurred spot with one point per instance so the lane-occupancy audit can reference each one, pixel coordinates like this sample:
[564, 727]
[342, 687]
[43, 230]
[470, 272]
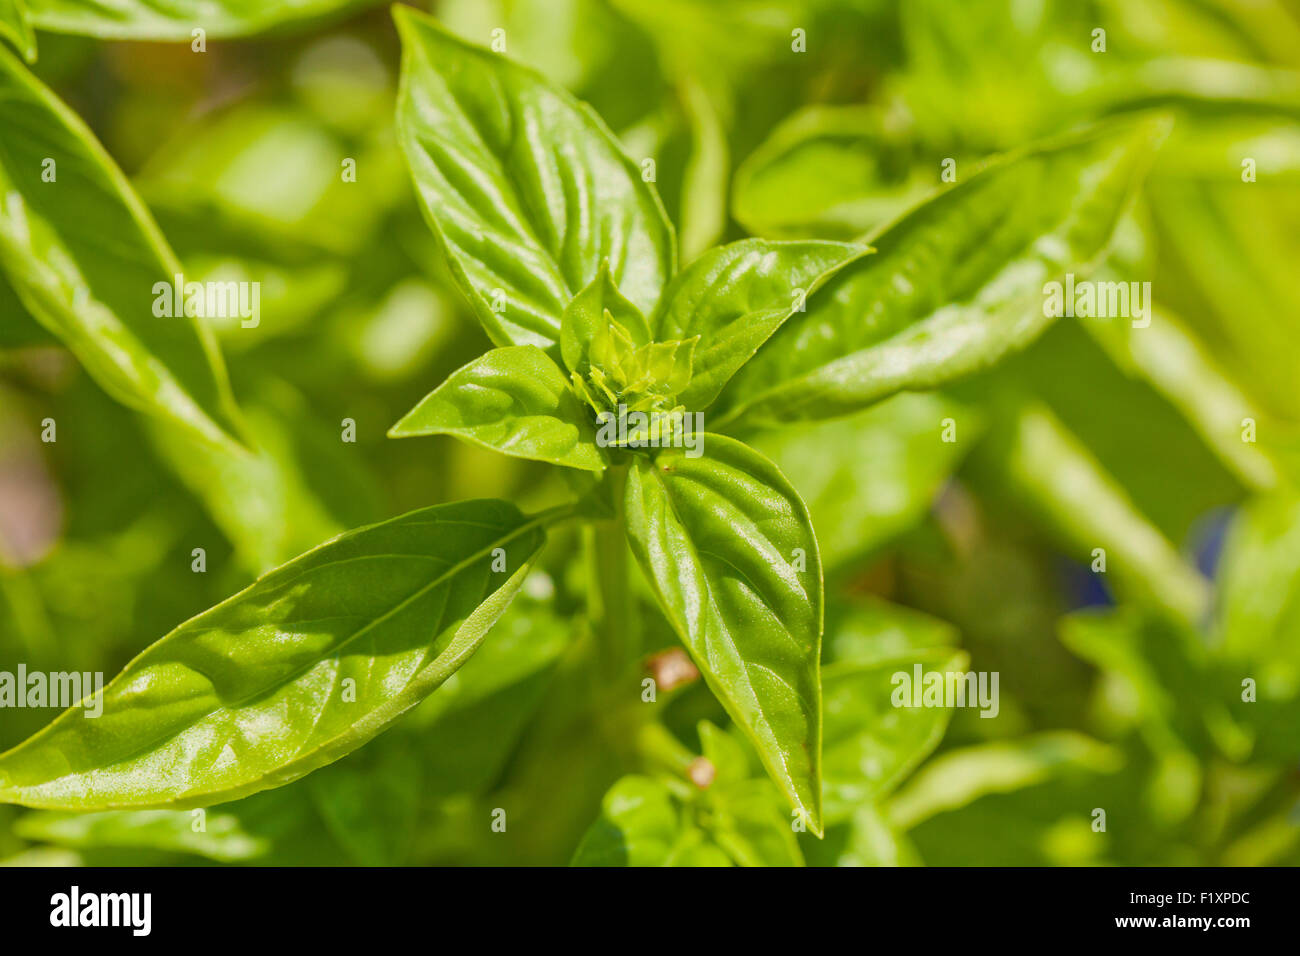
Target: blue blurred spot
[1083, 586]
[1205, 539]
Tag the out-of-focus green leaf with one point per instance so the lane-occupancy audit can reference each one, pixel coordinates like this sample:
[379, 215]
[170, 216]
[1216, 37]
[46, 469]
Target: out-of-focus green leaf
[747, 822]
[1122, 644]
[956, 284]
[268, 501]
[871, 744]
[959, 94]
[1259, 620]
[43, 856]
[869, 477]
[1213, 28]
[526, 188]
[1038, 464]
[869, 630]
[746, 816]
[16, 25]
[219, 836]
[1214, 146]
[1131, 430]
[727, 754]
[467, 731]
[272, 827]
[718, 43]
[703, 215]
[868, 839]
[735, 296]
[566, 40]
[638, 826]
[177, 19]
[514, 400]
[833, 171]
[1260, 612]
[88, 262]
[1206, 85]
[288, 296]
[1228, 248]
[302, 667]
[274, 176]
[729, 551]
[958, 777]
[1185, 372]
[1160, 664]
[17, 328]
[370, 803]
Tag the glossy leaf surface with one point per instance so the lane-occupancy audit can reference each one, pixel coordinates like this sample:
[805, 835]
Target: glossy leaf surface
[177, 19]
[720, 538]
[525, 187]
[514, 400]
[735, 297]
[956, 283]
[308, 663]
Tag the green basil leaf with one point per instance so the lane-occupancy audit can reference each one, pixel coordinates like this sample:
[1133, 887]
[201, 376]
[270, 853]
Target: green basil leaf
[525, 187]
[871, 744]
[305, 665]
[84, 255]
[719, 538]
[176, 19]
[735, 296]
[584, 327]
[16, 25]
[957, 282]
[514, 400]
[749, 823]
[638, 826]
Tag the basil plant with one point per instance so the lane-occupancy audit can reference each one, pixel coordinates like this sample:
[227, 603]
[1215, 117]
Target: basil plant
[658, 387]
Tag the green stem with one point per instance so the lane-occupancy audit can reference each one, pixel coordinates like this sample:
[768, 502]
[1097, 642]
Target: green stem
[611, 603]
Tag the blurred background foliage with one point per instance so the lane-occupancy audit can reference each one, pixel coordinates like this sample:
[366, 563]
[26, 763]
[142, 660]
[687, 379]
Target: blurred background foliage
[1120, 690]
